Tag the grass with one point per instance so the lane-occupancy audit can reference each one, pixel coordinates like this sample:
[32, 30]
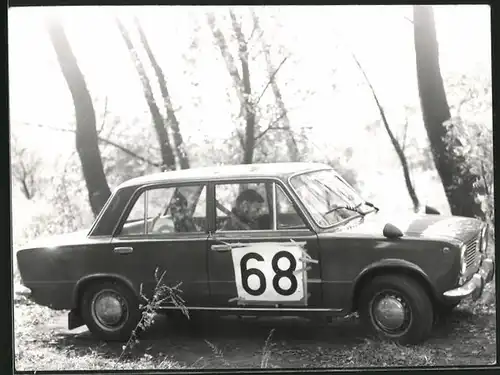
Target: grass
[468, 337]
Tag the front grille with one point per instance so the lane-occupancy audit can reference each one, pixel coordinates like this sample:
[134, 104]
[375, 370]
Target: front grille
[472, 252]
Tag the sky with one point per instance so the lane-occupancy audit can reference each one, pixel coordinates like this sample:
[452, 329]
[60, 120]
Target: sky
[379, 35]
[320, 82]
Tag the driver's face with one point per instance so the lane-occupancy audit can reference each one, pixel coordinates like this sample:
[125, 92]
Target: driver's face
[252, 209]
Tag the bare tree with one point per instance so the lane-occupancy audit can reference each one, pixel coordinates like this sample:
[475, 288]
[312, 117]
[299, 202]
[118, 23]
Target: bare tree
[171, 117]
[458, 181]
[242, 84]
[25, 167]
[293, 151]
[167, 154]
[395, 143]
[86, 134]
[251, 136]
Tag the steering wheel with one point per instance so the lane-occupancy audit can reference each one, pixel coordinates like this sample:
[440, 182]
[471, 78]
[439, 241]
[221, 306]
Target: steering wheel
[166, 228]
[154, 221]
[230, 213]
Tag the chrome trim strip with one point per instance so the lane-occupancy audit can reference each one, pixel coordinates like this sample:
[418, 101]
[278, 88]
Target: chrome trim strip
[252, 309]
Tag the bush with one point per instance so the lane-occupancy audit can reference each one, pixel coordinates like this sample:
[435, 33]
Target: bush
[476, 150]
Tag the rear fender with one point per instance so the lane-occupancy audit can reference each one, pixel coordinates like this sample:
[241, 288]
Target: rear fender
[84, 281]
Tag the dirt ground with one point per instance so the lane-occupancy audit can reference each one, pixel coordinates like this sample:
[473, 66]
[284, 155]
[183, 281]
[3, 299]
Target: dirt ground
[467, 337]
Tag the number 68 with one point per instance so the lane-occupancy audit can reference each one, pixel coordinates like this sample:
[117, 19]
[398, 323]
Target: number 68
[278, 274]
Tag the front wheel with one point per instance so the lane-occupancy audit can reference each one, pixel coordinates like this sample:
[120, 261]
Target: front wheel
[396, 308]
[110, 310]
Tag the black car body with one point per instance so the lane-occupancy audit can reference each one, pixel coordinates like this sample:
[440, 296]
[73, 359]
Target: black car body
[397, 272]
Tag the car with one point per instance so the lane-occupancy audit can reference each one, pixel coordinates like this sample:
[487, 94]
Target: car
[259, 239]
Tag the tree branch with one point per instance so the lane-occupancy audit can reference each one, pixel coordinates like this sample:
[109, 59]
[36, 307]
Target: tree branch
[394, 141]
[271, 79]
[408, 19]
[272, 127]
[104, 115]
[405, 134]
[102, 140]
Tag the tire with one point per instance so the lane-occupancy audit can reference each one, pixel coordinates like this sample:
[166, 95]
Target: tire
[415, 312]
[115, 291]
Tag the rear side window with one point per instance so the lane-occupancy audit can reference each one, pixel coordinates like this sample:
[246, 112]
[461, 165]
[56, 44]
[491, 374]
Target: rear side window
[164, 210]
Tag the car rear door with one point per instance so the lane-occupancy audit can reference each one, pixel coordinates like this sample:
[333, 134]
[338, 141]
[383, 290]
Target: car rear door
[277, 266]
[146, 241]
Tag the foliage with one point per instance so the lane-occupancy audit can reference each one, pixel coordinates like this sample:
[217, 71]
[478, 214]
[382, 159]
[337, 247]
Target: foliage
[476, 150]
[25, 167]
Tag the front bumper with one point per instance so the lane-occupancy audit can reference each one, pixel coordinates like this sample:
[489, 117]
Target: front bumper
[474, 287]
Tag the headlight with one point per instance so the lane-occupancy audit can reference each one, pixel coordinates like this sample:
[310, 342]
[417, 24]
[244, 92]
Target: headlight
[462, 258]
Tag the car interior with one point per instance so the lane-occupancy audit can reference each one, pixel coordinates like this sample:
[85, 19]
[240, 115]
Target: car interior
[195, 210]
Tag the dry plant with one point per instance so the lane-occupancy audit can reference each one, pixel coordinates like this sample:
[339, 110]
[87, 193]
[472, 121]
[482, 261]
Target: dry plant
[162, 294]
[266, 350]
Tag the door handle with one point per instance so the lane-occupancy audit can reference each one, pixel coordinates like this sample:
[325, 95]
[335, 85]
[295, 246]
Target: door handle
[221, 248]
[123, 250]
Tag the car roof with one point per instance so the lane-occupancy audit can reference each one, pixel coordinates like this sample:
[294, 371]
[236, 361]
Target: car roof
[214, 173]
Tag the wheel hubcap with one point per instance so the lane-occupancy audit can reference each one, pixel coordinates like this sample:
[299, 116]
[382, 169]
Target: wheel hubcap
[109, 310]
[390, 313]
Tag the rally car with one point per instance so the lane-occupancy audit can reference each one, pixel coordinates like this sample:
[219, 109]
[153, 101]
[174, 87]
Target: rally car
[283, 238]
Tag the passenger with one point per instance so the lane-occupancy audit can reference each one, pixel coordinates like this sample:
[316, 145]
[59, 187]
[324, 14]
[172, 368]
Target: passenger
[180, 215]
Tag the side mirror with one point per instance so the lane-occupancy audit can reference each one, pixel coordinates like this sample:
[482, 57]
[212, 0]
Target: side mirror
[431, 211]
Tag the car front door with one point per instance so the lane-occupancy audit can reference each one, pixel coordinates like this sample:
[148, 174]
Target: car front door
[148, 239]
[273, 265]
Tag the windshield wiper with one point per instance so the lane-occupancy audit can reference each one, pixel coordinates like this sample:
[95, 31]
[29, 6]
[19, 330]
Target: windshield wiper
[346, 207]
[372, 206]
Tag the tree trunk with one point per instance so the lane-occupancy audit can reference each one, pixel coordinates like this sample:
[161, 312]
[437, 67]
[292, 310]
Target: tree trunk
[395, 143]
[167, 154]
[457, 180]
[171, 117]
[249, 111]
[241, 84]
[293, 150]
[86, 134]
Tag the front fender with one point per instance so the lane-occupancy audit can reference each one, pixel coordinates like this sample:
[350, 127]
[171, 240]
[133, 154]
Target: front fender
[386, 266]
[383, 263]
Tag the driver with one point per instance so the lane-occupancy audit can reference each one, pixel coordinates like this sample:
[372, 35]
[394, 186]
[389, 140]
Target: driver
[180, 215]
[246, 213]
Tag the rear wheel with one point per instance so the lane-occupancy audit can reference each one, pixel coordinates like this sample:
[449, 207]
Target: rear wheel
[110, 310]
[396, 308]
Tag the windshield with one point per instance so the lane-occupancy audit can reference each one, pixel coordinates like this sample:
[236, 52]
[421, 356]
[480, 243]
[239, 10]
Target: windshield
[328, 198]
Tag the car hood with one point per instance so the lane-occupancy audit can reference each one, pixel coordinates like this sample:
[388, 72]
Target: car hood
[455, 228]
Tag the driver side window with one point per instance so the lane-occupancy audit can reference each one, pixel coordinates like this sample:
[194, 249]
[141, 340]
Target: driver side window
[242, 206]
[164, 210]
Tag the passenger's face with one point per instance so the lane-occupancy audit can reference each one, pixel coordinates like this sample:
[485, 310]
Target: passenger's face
[179, 211]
